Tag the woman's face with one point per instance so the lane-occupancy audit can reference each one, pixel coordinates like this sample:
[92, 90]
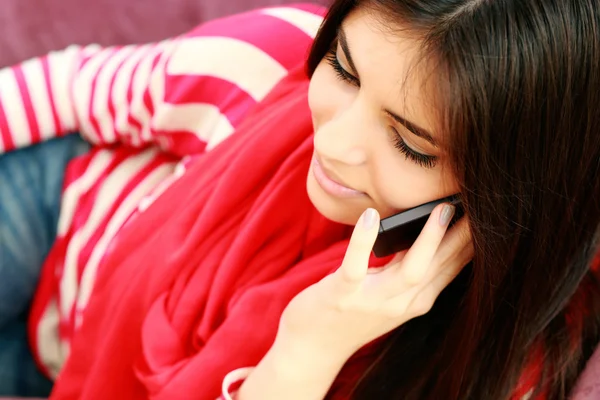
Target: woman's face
[375, 144]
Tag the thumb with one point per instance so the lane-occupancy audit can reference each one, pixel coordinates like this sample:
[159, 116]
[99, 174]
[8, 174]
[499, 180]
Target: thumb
[356, 261]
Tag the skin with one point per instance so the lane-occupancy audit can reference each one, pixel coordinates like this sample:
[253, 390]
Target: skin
[354, 143]
[354, 136]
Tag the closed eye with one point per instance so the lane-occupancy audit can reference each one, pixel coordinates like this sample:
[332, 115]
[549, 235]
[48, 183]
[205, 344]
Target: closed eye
[423, 160]
[344, 75]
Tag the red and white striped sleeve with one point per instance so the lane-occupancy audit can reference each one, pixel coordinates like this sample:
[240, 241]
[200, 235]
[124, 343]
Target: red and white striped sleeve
[185, 95]
[35, 101]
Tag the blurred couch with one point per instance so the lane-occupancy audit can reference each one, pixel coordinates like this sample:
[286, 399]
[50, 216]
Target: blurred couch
[32, 27]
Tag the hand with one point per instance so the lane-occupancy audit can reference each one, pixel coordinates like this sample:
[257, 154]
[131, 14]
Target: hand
[353, 306]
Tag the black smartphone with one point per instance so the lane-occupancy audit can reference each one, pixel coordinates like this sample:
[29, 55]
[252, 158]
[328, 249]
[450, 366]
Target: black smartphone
[398, 232]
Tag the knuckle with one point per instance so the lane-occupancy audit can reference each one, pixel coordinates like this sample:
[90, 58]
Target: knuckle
[398, 307]
[345, 305]
[422, 307]
[413, 278]
[347, 277]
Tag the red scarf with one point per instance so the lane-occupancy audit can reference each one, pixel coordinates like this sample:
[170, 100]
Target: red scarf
[194, 287]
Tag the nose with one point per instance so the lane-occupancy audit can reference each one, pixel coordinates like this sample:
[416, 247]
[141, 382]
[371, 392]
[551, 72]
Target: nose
[343, 138]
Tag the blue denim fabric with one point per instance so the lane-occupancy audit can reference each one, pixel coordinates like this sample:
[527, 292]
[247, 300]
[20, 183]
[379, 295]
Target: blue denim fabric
[31, 181]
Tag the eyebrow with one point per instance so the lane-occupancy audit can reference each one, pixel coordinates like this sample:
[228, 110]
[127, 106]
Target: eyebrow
[344, 44]
[416, 130]
[413, 128]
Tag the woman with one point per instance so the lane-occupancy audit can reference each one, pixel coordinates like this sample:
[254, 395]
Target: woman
[410, 101]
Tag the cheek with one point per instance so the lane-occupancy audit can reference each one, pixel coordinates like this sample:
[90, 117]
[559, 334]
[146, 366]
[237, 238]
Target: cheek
[318, 97]
[401, 184]
[327, 96]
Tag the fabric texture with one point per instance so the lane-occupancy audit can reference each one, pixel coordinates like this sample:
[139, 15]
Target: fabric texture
[173, 306]
[180, 302]
[202, 295]
[146, 110]
[19, 374]
[30, 189]
[31, 183]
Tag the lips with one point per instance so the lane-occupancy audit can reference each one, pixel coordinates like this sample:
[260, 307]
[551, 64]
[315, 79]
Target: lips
[331, 184]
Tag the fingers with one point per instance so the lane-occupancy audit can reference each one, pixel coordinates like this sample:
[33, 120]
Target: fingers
[454, 252]
[448, 272]
[456, 247]
[415, 264]
[356, 261]
[458, 237]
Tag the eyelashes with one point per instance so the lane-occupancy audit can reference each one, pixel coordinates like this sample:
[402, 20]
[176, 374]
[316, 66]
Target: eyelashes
[420, 159]
[344, 75]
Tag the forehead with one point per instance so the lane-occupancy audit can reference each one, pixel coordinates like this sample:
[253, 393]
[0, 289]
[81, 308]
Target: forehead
[392, 67]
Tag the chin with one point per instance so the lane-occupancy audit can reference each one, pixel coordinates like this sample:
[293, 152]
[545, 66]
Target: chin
[334, 209]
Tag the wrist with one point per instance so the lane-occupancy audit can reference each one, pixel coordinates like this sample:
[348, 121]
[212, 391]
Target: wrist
[294, 371]
[315, 344]
[303, 358]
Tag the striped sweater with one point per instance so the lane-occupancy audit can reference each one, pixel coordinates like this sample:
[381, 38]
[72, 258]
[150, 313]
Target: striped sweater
[147, 110]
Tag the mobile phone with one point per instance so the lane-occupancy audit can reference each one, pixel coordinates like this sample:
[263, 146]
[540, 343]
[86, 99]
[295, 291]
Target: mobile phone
[398, 232]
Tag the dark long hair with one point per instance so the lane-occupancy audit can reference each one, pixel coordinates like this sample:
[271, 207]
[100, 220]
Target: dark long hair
[519, 101]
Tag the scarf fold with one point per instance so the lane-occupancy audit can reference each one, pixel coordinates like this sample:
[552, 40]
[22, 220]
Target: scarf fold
[194, 287]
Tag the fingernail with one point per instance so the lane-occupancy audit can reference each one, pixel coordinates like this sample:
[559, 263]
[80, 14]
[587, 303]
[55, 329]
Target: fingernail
[447, 214]
[368, 219]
